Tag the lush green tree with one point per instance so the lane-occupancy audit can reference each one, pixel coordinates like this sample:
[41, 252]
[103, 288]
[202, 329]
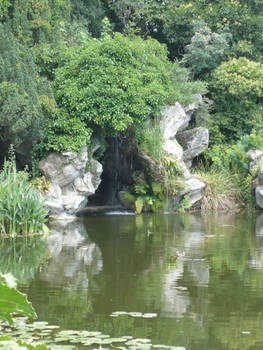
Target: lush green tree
[25, 98]
[240, 18]
[117, 82]
[237, 90]
[206, 49]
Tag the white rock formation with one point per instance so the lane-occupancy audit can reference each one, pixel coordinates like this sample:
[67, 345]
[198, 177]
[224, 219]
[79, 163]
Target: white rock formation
[73, 178]
[174, 119]
[193, 141]
[189, 144]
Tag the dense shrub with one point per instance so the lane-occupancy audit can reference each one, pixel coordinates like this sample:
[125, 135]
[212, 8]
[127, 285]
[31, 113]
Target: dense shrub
[237, 91]
[118, 81]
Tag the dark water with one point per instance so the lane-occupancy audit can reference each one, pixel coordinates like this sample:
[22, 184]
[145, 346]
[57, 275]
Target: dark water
[211, 298]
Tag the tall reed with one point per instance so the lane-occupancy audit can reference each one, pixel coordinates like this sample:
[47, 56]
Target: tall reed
[21, 211]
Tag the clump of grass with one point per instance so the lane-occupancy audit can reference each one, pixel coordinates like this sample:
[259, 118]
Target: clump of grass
[150, 140]
[222, 191]
[21, 211]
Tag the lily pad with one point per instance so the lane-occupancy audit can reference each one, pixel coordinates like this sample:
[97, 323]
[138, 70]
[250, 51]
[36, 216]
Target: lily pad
[135, 314]
[149, 315]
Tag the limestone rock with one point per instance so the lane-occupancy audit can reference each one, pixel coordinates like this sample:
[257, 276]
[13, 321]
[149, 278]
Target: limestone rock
[193, 142]
[259, 196]
[189, 110]
[194, 188]
[255, 156]
[172, 147]
[174, 119]
[260, 175]
[73, 178]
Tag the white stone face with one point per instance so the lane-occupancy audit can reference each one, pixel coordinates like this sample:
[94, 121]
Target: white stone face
[259, 196]
[193, 141]
[173, 148]
[194, 187]
[71, 184]
[174, 119]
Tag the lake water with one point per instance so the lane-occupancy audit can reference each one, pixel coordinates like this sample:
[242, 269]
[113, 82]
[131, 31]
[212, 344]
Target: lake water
[201, 276]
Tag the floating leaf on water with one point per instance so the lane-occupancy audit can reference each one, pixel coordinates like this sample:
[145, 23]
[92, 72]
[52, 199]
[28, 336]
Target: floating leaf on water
[118, 340]
[113, 315]
[177, 347]
[142, 340]
[149, 315]
[52, 327]
[62, 347]
[161, 346]
[68, 332]
[245, 332]
[135, 314]
[128, 337]
[119, 313]
[61, 339]
[103, 336]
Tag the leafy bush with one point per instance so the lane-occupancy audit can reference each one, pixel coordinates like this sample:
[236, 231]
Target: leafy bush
[237, 91]
[21, 211]
[206, 49]
[117, 82]
[230, 162]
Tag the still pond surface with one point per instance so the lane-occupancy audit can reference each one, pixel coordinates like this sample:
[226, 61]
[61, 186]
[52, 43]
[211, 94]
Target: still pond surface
[201, 276]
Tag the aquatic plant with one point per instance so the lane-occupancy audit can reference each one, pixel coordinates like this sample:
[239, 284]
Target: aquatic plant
[21, 211]
[11, 300]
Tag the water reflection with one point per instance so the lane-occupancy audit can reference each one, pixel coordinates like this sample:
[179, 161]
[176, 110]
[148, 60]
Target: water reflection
[74, 259]
[202, 276]
[22, 256]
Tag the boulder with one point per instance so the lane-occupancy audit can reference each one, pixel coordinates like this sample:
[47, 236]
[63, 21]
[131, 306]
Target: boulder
[73, 178]
[259, 196]
[173, 120]
[255, 156]
[193, 142]
[260, 175]
[173, 148]
[194, 188]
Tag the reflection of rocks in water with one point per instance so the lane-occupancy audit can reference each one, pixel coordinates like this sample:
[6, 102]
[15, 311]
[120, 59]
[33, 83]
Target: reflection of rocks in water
[190, 269]
[175, 299]
[74, 258]
[256, 261]
[259, 225]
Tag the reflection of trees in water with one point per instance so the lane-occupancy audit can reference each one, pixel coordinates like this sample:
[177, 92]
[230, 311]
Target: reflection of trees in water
[22, 256]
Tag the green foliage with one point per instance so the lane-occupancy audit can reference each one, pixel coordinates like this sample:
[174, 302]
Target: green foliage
[21, 211]
[33, 22]
[65, 133]
[149, 139]
[123, 81]
[206, 49]
[222, 192]
[139, 205]
[230, 162]
[183, 205]
[11, 300]
[24, 96]
[237, 90]
[240, 19]
[22, 256]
